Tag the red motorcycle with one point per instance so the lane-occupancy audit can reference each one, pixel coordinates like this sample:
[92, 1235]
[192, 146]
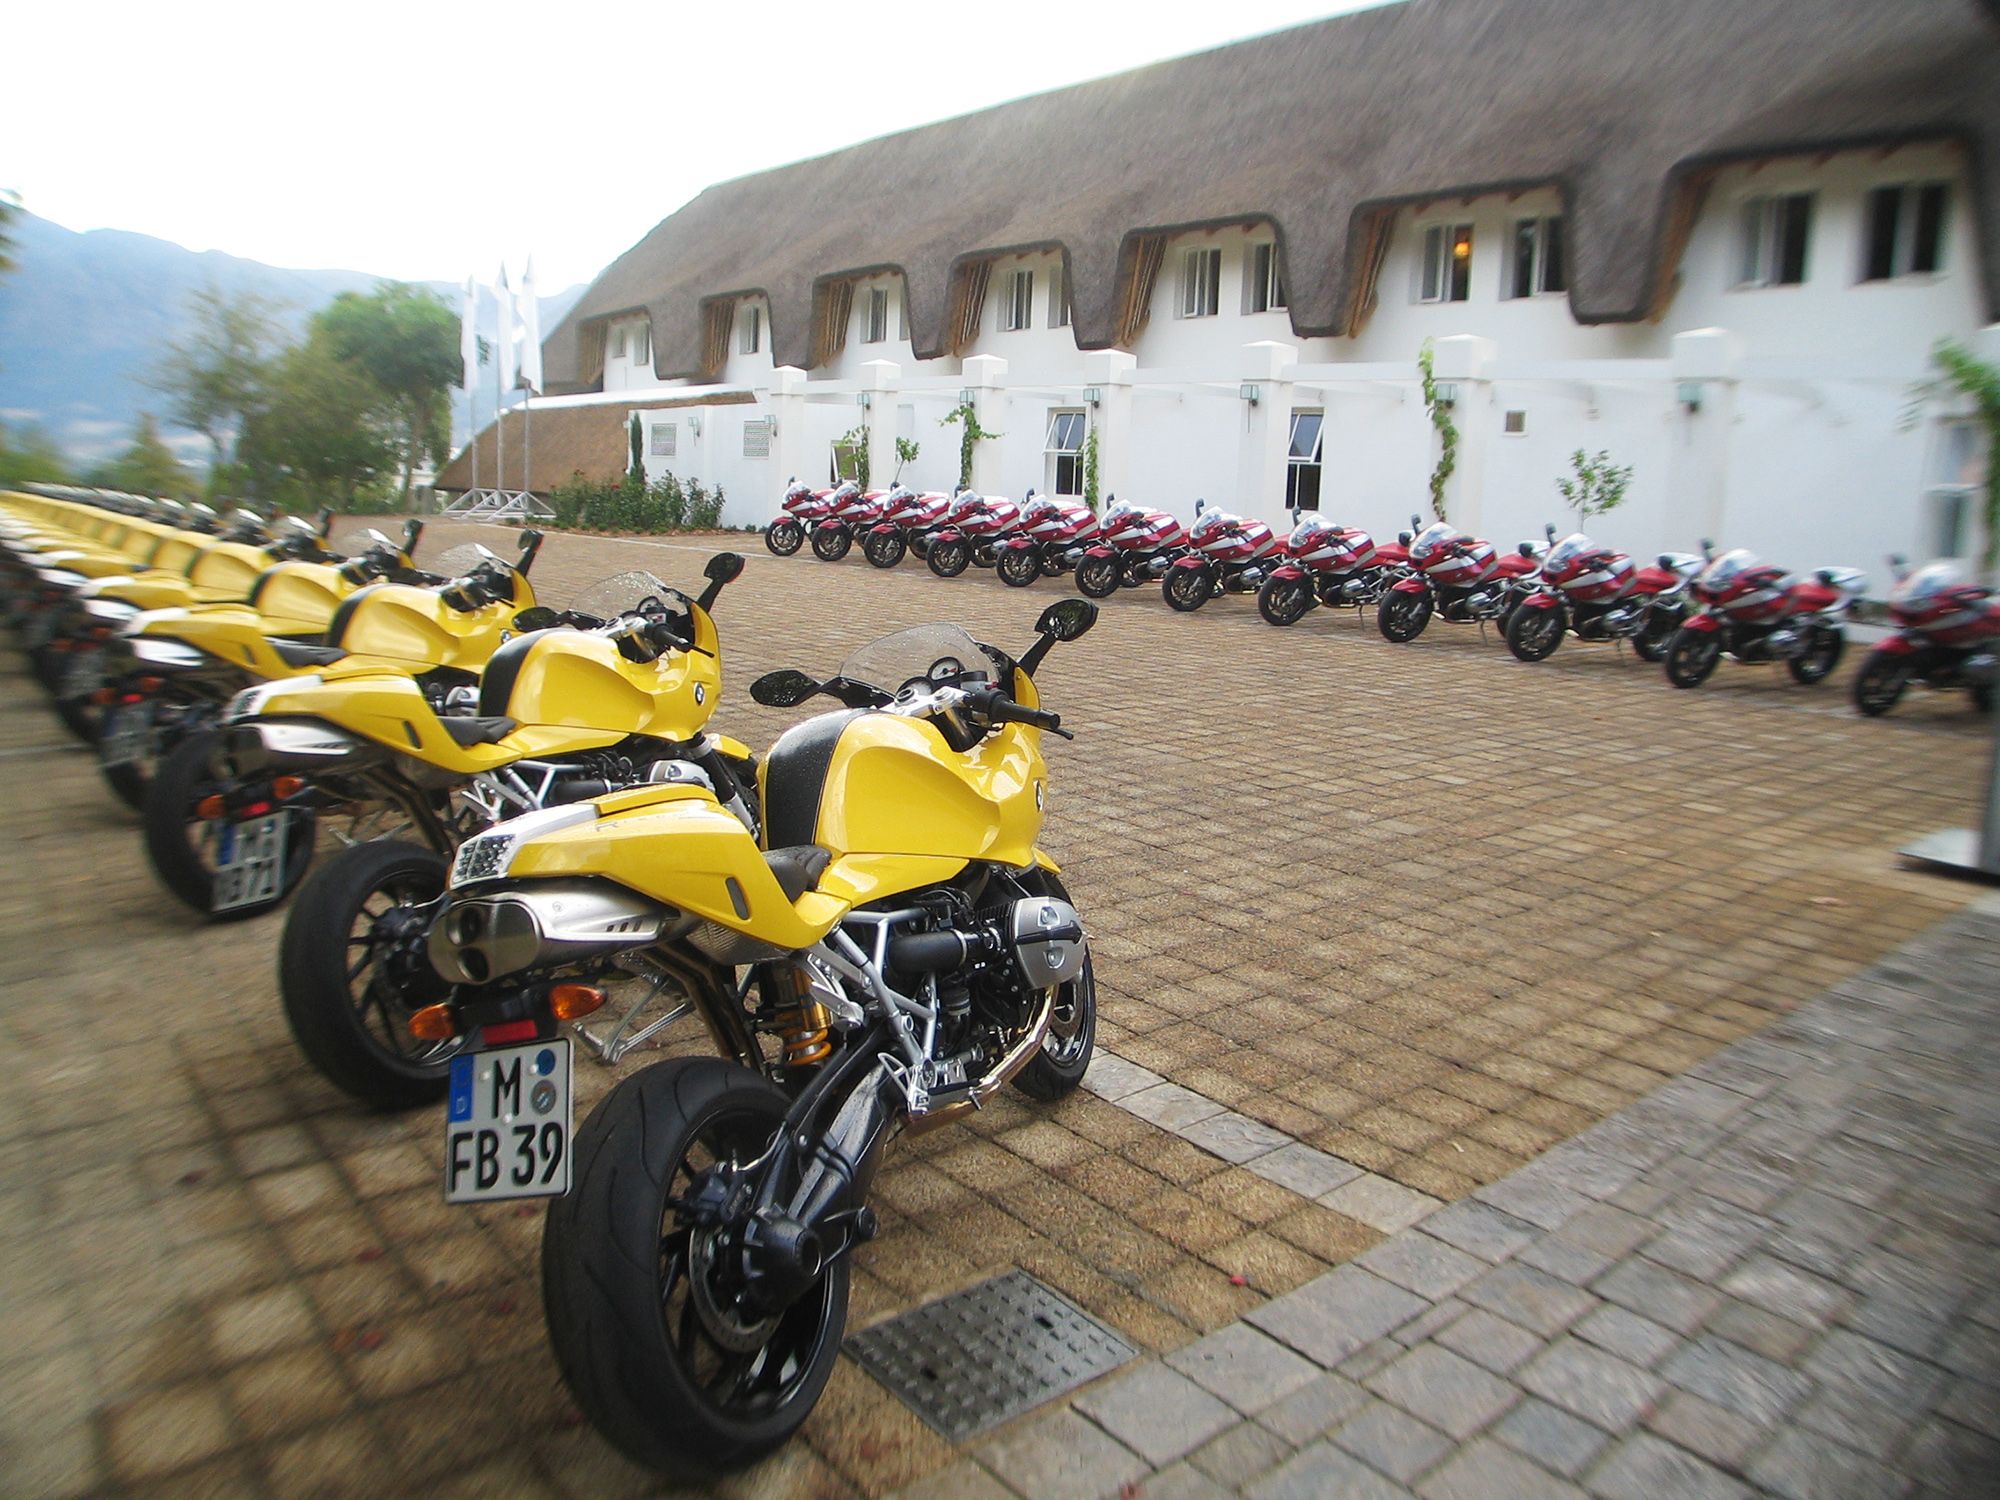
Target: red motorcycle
[972, 533]
[1755, 613]
[1134, 545]
[804, 506]
[1599, 595]
[1330, 565]
[1947, 636]
[1459, 578]
[906, 516]
[1053, 533]
[852, 510]
[1226, 555]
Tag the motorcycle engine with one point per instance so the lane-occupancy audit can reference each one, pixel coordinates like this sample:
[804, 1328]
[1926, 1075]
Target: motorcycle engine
[993, 963]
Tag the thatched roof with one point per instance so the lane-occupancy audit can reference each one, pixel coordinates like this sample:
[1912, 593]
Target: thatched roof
[592, 440]
[1620, 102]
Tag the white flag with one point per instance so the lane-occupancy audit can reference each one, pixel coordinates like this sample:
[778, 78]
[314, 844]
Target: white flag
[505, 297]
[468, 336]
[531, 331]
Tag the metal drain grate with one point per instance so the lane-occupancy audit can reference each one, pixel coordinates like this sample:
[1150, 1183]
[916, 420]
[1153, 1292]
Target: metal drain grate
[979, 1357]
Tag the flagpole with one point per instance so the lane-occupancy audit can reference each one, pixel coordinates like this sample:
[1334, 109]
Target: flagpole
[528, 428]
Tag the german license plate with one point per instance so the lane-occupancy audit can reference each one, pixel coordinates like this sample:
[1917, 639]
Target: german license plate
[127, 736]
[249, 861]
[507, 1130]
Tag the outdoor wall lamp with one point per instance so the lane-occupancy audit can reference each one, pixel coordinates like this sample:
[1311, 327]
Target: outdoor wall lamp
[1249, 392]
[965, 395]
[1447, 392]
[1689, 393]
[694, 424]
[864, 399]
[1093, 396]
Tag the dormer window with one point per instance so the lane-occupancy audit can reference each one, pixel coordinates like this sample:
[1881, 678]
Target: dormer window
[1201, 283]
[1017, 302]
[875, 317]
[1536, 258]
[1265, 284]
[1905, 231]
[750, 330]
[1772, 237]
[1446, 272]
[641, 343]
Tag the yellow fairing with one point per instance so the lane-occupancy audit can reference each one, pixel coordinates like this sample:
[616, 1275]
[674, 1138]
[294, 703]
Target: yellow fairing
[226, 571]
[579, 679]
[231, 633]
[364, 699]
[300, 591]
[403, 623]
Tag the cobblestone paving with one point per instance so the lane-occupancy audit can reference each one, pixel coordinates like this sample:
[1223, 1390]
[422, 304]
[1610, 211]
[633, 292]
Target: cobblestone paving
[1773, 1276]
[1419, 913]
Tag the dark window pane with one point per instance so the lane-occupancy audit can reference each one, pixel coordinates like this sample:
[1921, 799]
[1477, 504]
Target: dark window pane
[1883, 211]
[1524, 259]
[1928, 252]
[1433, 265]
[1795, 220]
[1069, 475]
[1302, 486]
[1461, 263]
[1305, 435]
[1555, 271]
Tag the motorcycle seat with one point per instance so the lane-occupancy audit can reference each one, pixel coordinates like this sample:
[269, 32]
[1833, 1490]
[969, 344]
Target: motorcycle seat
[798, 868]
[470, 731]
[305, 654]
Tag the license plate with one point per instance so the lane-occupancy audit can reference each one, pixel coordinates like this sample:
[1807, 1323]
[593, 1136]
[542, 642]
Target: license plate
[507, 1130]
[127, 736]
[249, 861]
[41, 628]
[82, 675]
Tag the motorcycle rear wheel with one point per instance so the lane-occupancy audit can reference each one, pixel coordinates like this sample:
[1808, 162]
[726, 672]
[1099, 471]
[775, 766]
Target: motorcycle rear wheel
[1879, 685]
[1188, 589]
[1534, 634]
[784, 537]
[1284, 601]
[1019, 566]
[177, 842]
[831, 544]
[1821, 656]
[884, 549]
[1402, 617]
[618, 1266]
[1651, 643]
[1098, 576]
[348, 992]
[1692, 656]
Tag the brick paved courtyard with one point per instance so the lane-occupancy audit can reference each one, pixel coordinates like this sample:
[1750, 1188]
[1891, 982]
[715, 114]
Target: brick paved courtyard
[1397, 920]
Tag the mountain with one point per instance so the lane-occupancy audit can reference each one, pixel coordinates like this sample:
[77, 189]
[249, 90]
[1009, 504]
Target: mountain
[84, 317]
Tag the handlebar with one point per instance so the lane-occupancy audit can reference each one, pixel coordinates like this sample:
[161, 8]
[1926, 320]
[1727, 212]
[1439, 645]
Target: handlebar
[997, 706]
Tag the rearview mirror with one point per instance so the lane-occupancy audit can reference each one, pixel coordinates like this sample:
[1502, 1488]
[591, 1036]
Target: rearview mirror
[723, 567]
[1416, 522]
[783, 689]
[1527, 549]
[1403, 537]
[1067, 619]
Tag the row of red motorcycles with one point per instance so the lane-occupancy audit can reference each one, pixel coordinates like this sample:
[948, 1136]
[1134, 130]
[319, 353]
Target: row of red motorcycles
[1686, 610]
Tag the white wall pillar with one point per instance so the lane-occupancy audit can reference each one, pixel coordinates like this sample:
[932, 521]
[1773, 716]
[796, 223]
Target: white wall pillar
[1703, 366]
[1109, 373]
[1466, 361]
[787, 402]
[880, 379]
[1264, 432]
[982, 375]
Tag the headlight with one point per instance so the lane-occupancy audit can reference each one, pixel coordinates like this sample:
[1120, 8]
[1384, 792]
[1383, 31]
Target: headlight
[109, 610]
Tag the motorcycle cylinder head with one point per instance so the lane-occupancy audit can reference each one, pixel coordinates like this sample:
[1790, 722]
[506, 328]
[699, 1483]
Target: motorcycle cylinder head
[1046, 938]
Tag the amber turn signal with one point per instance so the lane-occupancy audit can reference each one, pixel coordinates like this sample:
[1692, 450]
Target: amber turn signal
[287, 786]
[103, 697]
[433, 1023]
[571, 1001]
[210, 807]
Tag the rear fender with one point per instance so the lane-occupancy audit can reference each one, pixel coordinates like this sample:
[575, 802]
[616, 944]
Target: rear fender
[1895, 645]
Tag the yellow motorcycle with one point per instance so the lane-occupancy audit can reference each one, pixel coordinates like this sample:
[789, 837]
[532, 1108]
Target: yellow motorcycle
[230, 857]
[564, 714]
[900, 949]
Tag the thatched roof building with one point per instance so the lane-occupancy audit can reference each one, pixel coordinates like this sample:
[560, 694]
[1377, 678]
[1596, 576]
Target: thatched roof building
[1321, 130]
[559, 441]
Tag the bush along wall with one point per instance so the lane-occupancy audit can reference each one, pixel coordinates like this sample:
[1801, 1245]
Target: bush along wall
[630, 504]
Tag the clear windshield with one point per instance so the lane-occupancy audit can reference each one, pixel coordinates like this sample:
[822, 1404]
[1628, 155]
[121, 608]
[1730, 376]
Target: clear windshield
[1729, 567]
[456, 562]
[355, 543]
[1928, 582]
[1437, 534]
[937, 655]
[1568, 550]
[1212, 522]
[622, 594]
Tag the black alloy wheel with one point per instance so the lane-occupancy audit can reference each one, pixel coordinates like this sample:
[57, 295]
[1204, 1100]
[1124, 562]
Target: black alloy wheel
[784, 537]
[830, 543]
[1692, 656]
[1402, 616]
[1534, 634]
[1097, 576]
[1284, 601]
[1879, 685]
[884, 549]
[1824, 645]
[1651, 643]
[184, 846]
[1018, 566]
[950, 557]
[1188, 589]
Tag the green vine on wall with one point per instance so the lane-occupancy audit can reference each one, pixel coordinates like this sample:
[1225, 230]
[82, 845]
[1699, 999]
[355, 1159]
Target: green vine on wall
[1447, 431]
[1963, 374]
[906, 454]
[850, 450]
[1090, 470]
[970, 432]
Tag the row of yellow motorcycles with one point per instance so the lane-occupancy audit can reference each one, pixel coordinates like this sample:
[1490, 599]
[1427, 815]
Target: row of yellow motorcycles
[508, 828]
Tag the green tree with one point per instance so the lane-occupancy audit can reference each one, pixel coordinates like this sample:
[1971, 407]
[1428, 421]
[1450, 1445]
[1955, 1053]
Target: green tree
[216, 376]
[406, 340]
[148, 466]
[29, 455]
[1965, 378]
[10, 209]
[326, 433]
[1595, 485]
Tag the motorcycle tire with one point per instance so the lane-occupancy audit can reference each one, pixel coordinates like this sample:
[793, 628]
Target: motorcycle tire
[636, 1352]
[949, 559]
[1982, 697]
[80, 717]
[831, 546]
[784, 537]
[884, 549]
[1651, 643]
[1019, 566]
[1822, 655]
[1692, 656]
[1879, 685]
[1402, 617]
[129, 783]
[1187, 589]
[1098, 576]
[359, 1041]
[47, 667]
[1534, 634]
[1052, 563]
[179, 853]
[1284, 601]
[1055, 1071]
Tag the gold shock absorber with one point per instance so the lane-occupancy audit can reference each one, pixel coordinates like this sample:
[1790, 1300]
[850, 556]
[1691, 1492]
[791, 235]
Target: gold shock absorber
[805, 1028]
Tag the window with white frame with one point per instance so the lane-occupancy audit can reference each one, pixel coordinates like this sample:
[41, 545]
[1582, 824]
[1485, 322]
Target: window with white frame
[1201, 283]
[666, 437]
[875, 317]
[1063, 450]
[1302, 460]
[1263, 284]
[1958, 475]
[1445, 273]
[641, 342]
[1059, 298]
[1017, 304]
[614, 342]
[750, 330]
[1773, 232]
[1536, 262]
[1905, 230]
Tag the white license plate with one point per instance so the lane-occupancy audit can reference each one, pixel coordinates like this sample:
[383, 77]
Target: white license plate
[249, 861]
[127, 736]
[83, 674]
[508, 1126]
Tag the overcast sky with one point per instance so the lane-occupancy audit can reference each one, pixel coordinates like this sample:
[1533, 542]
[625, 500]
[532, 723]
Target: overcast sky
[429, 138]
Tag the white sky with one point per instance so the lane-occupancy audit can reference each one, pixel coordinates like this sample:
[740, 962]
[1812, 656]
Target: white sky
[429, 138]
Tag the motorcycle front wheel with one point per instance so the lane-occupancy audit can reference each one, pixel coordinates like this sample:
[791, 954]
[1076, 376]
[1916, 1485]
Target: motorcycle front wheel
[1019, 566]
[949, 559]
[1879, 685]
[644, 1308]
[1284, 601]
[1188, 589]
[1402, 617]
[352, 969]
[884, 549]
[784, 537]
[1098, 576]
[830, 544]
[1692, 655]
[1821, 656]
[1534, 634]
[182, 844]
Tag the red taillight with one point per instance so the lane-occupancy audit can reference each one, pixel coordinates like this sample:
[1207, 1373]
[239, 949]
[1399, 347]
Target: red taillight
[507, 1031]
[257, 809]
